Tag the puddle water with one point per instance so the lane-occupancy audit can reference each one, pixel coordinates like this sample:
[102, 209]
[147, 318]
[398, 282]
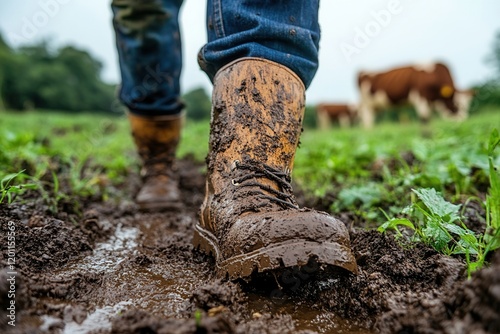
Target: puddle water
[305, 315]
[97, 321]
[165, 289]
[154, 292]
[100, 319]
[108, 255]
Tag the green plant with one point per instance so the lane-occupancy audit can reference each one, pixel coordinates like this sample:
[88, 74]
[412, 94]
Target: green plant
[9, 191]
[492, 234]
[437, 223]
[197, 318]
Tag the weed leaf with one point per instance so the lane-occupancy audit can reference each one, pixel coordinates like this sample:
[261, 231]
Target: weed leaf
[4, 183]
[437, 205]
[455, 229]
[493, 142]
[437, 235]
[493, 240]
[7, 190]
[394, 223]
[494, 197]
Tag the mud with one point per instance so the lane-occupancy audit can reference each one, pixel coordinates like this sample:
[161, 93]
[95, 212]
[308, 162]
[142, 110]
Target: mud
[114, 269]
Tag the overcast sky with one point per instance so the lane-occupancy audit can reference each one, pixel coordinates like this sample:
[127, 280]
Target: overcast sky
[356, 34]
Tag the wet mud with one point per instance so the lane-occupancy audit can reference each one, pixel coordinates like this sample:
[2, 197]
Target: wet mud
[114, 269]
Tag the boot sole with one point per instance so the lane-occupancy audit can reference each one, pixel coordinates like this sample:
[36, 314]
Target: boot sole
[290, 253]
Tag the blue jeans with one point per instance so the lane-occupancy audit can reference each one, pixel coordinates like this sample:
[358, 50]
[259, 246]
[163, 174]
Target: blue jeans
[149, 44]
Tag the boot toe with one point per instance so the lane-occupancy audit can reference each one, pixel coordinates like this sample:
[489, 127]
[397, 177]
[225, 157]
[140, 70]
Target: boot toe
[159, 194]
[265, 241]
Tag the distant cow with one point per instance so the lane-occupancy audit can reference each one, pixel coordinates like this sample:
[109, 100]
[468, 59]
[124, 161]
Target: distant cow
[426, 88]
[327, 113]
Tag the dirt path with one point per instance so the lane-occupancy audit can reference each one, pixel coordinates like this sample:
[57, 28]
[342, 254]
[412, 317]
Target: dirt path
[121, 271]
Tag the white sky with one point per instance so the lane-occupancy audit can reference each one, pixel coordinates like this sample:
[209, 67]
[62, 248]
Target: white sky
[459, 32]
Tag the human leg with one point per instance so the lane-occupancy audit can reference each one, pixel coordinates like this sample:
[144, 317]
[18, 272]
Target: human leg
[250, 220]
[149, 50]
[286, 32]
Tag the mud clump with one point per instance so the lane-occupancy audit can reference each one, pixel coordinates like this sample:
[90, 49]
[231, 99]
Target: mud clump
[137, 321]
[47, 246]
[473, 307]
[217, 294]
[389, 278]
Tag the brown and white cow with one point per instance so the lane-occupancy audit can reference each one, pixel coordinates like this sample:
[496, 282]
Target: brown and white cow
[426, 87]
[328, 113]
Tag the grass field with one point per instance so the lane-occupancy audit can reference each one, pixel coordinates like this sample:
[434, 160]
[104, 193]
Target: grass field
[366, 170]
[362, 170]
[422, 206]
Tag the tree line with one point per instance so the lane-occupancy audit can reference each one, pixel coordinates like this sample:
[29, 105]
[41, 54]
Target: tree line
[38, 76]
[488, 92]
[69, 79]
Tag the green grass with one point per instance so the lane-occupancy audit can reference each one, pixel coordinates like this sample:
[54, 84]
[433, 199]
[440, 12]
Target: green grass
[8, 190]
[362, 170]
[65, 155]
[68, 155]
[366, 170]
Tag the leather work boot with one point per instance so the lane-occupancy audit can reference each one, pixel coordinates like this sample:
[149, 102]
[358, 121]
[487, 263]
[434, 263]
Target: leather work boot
[250, 220]
[156, 139]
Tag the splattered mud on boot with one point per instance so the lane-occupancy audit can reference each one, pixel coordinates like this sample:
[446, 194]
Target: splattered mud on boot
[250, 221]
[156, 139]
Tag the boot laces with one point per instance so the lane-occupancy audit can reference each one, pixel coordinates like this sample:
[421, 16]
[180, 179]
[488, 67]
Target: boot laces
[255, 170]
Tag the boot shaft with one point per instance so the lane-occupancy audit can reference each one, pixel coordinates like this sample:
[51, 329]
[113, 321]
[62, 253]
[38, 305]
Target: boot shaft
[257, 112]
[156, 139]
[250, 220]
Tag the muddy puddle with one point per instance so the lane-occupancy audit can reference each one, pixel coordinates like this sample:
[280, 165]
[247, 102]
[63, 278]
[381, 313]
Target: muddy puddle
[165, 288]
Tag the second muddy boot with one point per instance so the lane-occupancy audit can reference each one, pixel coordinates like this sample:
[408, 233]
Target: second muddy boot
[157, 139]
[250, 220]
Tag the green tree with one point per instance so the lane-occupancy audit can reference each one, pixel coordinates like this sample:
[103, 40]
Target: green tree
[36, 76]
[7, 62]
[310, 120]
[494, 57]
[4, 57]
[198, 104]
[488, 93]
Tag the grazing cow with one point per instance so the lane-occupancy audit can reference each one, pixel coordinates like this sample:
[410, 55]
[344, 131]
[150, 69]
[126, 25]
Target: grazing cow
[327, 113]
[426, 88]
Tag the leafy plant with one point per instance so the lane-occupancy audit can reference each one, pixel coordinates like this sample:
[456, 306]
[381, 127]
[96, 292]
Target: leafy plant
[8, 191]
[437, 223]
[197, 318]
[492, 235]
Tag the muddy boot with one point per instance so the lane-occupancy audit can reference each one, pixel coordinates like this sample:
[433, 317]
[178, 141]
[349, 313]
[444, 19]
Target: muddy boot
[156, 139]
[250, 220]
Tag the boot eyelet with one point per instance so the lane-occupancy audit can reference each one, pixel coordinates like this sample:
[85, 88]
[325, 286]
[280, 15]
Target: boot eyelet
[235, 164]
[234, 183]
